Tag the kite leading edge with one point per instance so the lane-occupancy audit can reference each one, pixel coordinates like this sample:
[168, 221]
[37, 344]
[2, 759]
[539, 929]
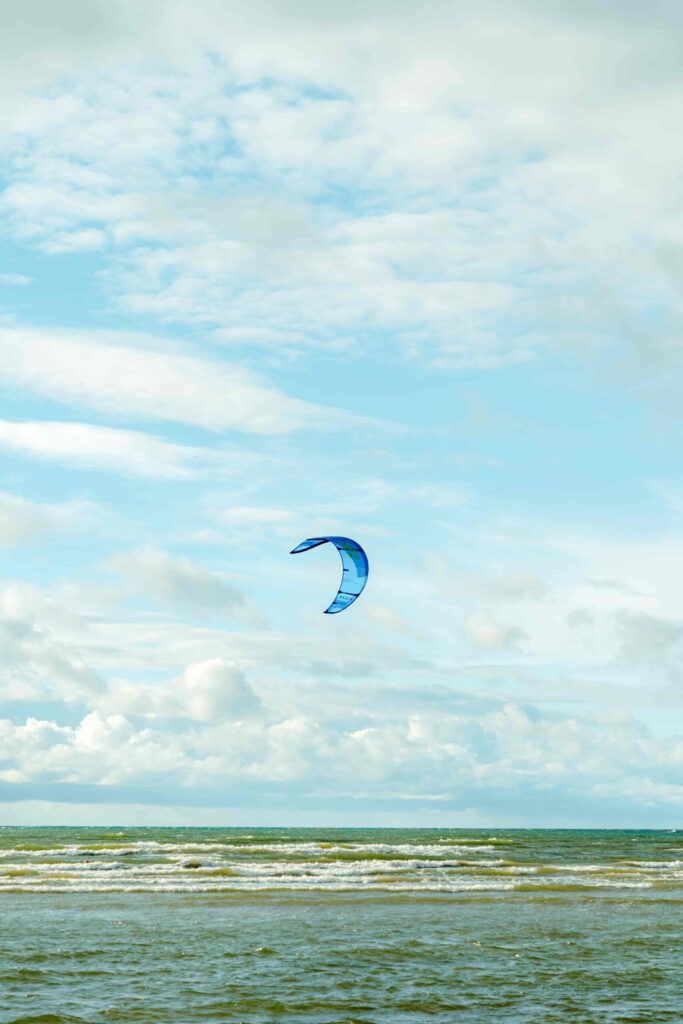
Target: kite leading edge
[354, 569]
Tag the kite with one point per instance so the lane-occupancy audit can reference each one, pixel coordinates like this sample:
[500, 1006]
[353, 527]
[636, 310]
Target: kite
[354, 569]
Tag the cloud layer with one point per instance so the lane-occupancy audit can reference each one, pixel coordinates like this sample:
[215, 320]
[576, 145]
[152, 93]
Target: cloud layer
[402, 273]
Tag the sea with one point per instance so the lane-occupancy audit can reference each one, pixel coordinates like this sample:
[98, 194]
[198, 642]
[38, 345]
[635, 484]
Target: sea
[340, 926]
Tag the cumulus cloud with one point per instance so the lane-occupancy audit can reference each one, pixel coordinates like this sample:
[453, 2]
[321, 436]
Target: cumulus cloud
[498, 758]
[320, 721]
[213, 690]
[207, 692]
[105, 750]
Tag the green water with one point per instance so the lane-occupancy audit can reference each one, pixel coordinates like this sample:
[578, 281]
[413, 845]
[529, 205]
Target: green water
[209, 925]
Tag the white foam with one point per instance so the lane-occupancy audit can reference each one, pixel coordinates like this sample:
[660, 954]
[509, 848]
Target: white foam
[224, 864]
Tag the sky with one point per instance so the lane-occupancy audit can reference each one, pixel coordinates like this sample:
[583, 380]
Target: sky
[409, 273]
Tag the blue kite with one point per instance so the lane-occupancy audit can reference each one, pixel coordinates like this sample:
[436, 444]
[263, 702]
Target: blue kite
[354, 569]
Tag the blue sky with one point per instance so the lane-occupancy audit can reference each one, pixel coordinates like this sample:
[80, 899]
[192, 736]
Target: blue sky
[410, 275]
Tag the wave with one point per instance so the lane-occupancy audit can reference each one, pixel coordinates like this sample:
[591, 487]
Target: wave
[220, 861]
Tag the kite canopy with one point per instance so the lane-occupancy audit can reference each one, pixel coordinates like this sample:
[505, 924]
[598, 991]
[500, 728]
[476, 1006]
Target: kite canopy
[354, 568]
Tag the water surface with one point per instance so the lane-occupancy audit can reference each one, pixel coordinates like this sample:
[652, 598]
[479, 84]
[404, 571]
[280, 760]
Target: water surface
[332, 925]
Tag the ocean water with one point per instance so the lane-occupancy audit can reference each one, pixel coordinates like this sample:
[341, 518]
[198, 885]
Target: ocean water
[324, 926]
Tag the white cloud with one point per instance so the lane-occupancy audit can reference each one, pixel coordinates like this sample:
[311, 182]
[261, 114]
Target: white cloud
[20, 280]
[75, 241]
[100, 749]
[338, 716]
[477, 175]
[457, 199]
[180, 583]
[495, 758]
[37, 666]
[213, 690]
[130, 452]
[489, 635]
[647, 638]
[23, 521]
[207, 692]
[133, 376]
